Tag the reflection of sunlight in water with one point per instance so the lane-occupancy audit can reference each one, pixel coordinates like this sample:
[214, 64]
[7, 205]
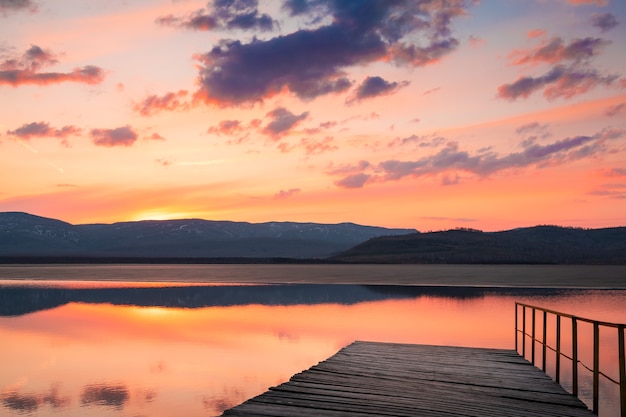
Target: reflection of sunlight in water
[157, 361]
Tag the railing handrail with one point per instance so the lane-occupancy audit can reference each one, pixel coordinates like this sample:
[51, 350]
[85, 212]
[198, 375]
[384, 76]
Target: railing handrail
[574, 358]
[570, 316]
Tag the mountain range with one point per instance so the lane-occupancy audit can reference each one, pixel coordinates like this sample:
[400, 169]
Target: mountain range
[26, 235]
[531, 245]
[28, 238]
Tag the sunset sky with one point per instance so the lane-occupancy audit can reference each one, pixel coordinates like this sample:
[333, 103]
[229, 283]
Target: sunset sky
[429, 114]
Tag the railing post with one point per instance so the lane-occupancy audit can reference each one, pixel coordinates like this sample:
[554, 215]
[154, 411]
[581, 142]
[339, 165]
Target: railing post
[574, 357]
[558, 349]
[622, 370]
[545, 342]
[533, 338]
[516, 308]
[596, 365]
[523, 331]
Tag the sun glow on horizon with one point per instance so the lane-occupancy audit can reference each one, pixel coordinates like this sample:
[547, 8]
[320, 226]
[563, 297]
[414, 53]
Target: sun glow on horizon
[161, 215]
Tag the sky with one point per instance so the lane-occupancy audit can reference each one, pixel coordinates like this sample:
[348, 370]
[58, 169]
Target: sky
[427, 114]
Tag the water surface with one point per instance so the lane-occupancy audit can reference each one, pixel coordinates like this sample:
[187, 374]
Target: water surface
[168, 344]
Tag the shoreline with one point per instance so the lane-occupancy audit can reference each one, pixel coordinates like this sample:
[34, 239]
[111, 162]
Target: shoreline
[446, 275]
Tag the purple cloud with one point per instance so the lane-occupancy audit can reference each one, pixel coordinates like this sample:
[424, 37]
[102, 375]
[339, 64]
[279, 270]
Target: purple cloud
[226, 127]
[451, 158]
[555, 50]
[317, 147]
[26, 70]
[374, 87]
[353, 181]
[223, 14]
[615, 110]
[282, 121]
[311, 62]
[7, 6]
[616, 172]
[560, 81]
[617, 191]
[603, 21]
[43, 129]
[154, 104]
[121, 136]
[420, 141]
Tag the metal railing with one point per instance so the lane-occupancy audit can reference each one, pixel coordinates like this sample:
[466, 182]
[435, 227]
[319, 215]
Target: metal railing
[595, 368]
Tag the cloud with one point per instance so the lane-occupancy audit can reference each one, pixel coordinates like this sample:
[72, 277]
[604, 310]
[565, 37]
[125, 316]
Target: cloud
[316, 147]
[154, 104]
[475, 41]
[615, 172]
[560, 81]
[286, 193]
[603, 21]
[535, 33]
[165, 162]
[226, 127]
[121, 136]
[421, 141]
[223, 14]
[7, 6]
[450, 179]
[615, 110]
[555, 50]
[27, 70]
[484, 164]
[532, 132]
[154, 136]
[375, 87]
[43, 129]
[310, 62]
[353, 181]
[585, 2]
[282, 121]
[617, 191]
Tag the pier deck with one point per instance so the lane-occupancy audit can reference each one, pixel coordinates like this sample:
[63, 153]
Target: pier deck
[386, 379]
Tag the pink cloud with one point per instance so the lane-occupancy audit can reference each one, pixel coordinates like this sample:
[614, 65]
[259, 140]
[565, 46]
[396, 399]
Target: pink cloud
[556, 50]
[121, 136]
[27, 70]
[585, 2]
[286, 193]
[226, 127]
[154, 104]
[451, 159]
[535, 33]
[43, 129]
[560, 81]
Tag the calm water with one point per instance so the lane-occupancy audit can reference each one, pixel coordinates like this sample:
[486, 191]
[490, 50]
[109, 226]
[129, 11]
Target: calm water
[88, 344]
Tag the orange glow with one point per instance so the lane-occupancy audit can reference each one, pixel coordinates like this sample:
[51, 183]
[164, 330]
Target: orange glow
[155, 360]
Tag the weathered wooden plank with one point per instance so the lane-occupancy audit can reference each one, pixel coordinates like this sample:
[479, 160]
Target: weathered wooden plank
[387, 379]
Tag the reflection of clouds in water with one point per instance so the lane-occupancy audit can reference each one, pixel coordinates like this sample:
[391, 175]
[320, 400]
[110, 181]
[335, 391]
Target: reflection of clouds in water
[158, 367]
[146, 395]
[284, 335]
[20, 402]
[30, 402]
[104, 395]
[229, 398]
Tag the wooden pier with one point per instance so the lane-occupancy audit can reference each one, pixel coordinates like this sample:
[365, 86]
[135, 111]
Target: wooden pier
[385, 379]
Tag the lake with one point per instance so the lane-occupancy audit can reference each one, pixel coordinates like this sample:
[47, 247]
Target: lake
[193, 340]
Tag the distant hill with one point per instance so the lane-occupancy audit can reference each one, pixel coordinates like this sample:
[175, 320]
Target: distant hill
[26, 235]
[533, 245]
